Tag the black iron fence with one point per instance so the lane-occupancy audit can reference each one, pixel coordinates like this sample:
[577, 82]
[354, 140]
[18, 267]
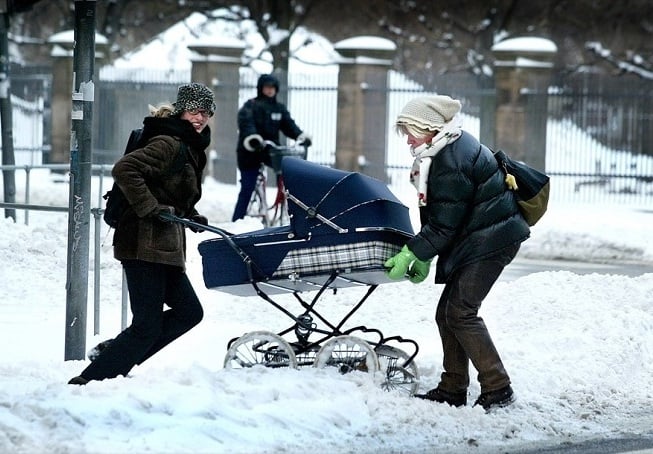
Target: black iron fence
[599, 141]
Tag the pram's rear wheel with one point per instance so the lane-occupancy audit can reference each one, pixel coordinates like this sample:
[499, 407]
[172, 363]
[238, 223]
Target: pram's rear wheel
[348, 354]
[398, 375]
[260, 347]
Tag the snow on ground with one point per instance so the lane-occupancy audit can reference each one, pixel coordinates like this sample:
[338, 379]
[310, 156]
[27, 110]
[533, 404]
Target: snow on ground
[579, 349]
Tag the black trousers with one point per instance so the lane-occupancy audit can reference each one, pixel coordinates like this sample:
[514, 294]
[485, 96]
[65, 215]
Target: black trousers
[463, 333]
[151, 286]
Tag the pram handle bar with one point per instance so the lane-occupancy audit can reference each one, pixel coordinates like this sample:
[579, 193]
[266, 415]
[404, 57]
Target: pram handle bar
[169, 217]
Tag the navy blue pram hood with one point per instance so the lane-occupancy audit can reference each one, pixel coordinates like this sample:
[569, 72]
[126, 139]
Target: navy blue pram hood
[349, 200]
[341, 222]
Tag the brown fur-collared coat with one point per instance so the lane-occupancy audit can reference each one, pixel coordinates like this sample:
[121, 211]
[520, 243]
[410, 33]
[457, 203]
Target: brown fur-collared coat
[156, 177]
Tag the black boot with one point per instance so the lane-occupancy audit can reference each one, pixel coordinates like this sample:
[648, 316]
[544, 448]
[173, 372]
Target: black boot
[496, 399]
[440, 396]
[95, 351]
[79, 380]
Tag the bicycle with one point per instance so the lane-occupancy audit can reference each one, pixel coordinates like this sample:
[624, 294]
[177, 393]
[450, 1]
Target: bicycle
[277, 213]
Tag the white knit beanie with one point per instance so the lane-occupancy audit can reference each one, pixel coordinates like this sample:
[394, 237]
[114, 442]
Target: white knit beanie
[429, 112]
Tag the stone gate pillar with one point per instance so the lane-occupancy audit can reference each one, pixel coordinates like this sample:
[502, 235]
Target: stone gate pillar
[363, 104]
[62, 85]
[522, 76]
[62, 91]
[217, 66]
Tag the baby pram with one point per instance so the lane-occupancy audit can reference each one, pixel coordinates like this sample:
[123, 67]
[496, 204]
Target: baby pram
[343, 227]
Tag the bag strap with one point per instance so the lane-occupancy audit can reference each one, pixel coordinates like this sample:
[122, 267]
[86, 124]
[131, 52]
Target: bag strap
[510, 179]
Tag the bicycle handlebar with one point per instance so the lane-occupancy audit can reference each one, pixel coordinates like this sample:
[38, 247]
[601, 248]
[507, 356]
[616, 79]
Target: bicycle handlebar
[297, 149]
[278, 152]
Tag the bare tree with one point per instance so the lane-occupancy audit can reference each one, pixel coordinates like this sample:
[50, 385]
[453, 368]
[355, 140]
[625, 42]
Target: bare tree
[432, 37]
[128, 23]
[276, 21]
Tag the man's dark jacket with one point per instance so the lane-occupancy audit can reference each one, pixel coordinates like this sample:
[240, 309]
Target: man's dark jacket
[264, 116]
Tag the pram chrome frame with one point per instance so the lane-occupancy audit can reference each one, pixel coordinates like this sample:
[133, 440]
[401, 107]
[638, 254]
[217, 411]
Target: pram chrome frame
[334, 348]
[323, 343]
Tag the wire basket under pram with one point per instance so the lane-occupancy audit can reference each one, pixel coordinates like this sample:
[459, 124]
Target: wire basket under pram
[343, 227]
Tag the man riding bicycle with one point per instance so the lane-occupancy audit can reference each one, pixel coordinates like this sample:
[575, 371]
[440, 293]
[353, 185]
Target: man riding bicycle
[260, 119]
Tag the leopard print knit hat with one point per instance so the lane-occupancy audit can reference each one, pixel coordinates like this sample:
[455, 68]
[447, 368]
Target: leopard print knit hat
[194, 96]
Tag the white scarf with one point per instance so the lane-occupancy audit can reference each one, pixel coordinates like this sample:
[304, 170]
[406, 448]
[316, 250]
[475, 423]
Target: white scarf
[424, 154]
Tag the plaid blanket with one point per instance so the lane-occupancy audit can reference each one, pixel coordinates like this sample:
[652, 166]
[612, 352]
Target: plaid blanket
[344, 257]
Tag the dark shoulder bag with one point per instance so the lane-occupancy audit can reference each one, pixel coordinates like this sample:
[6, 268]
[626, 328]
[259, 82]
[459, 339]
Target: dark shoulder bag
[530, 186]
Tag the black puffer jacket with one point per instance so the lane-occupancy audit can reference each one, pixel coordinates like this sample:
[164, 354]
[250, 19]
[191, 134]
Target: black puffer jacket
[264, 116]
[469, 213]
[157, 176]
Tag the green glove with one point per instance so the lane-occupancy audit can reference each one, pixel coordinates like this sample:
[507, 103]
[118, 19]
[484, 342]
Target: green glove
[398, 265]
[419, 270]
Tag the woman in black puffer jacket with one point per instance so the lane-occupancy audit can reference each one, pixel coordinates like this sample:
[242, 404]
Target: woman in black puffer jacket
[472, 223]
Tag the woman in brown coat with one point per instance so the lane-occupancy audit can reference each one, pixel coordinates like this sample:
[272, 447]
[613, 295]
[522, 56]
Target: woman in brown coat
[163, 175]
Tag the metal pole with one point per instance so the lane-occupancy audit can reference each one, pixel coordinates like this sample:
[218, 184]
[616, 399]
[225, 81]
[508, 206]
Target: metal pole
[124, 311]
[96, 272]
[80, 180]
[97, 215]
[6, 120]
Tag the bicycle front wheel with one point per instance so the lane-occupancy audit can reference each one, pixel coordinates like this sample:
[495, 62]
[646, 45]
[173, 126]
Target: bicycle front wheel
[258, 205]
[279, 214]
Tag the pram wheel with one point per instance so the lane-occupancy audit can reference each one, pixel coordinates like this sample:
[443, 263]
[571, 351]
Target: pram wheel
[397, 376]
[348, 354]
[260, 347]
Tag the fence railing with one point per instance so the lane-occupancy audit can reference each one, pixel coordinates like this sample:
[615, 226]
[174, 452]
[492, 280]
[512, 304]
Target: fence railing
[97, 212]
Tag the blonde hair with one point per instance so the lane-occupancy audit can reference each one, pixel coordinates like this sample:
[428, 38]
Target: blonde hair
[162, 110]
[405, 129]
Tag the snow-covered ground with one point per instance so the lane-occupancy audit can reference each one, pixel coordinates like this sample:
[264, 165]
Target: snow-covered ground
[579, 349]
